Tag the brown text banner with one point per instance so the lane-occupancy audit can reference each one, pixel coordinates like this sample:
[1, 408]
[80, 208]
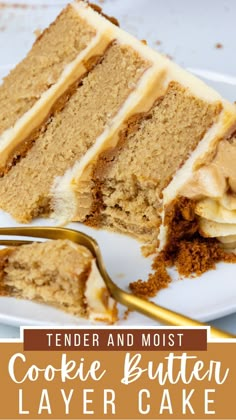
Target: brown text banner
[115, 339]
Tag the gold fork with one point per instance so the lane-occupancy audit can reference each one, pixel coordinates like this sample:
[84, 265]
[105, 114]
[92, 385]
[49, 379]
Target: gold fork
[129, 300]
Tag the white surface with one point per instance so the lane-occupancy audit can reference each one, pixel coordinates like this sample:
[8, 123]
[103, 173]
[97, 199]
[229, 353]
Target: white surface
[189, 35]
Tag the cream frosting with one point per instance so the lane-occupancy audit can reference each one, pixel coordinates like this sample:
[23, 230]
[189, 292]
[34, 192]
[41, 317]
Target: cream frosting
[214, 179]
[173, 71]
[214, 188]
[67, 206]
[100, 305]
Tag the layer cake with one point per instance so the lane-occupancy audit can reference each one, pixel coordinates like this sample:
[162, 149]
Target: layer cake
[110, 133]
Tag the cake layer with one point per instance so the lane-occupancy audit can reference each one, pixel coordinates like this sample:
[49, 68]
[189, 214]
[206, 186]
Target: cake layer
[71, 131]
[122, 189]
[130, 178]
[53, 50]
[59, 273]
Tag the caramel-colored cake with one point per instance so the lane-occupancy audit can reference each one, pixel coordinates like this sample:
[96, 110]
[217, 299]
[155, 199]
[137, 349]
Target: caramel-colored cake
[103, 130]
[59, 273]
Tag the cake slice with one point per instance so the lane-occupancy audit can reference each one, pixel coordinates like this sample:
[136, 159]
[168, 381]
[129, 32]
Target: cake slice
[132, 181]
[59, 273]
[123, 145]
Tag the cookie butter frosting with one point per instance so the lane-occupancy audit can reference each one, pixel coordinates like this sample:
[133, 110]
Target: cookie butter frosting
[214, 188]
[100, 305]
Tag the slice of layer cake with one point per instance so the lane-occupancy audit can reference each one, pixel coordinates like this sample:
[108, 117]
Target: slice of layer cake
[125, 181]
[59, 273]
[121, 144]
[175, 126]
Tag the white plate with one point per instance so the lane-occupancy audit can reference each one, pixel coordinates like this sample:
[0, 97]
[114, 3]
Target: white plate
[210, 296]
[213, 294]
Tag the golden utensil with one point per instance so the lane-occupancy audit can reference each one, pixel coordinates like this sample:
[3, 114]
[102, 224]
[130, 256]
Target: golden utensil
[129, 300]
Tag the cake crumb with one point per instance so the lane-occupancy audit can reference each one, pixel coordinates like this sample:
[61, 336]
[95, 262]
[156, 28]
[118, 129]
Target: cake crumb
[195, 257]
[158, 42]
[169, 56]
[126, 314]
[148, 250]
[156, 281]
[38, 32]
[191, 258]
[218, 45]
[120, 276]
[187, 251]
[99, 10]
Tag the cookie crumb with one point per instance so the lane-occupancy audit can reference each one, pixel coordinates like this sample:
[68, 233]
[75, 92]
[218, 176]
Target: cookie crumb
[218, 45]
[156, 281]
[195, 257]
[187, 251]
[120, 276]
[37, 33]
[169, 56]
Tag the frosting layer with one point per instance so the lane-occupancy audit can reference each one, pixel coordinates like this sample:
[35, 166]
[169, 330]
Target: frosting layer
[213, 186]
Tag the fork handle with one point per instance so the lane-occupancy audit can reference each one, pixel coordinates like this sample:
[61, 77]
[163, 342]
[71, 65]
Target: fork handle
[150, 309]
[165, 315]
